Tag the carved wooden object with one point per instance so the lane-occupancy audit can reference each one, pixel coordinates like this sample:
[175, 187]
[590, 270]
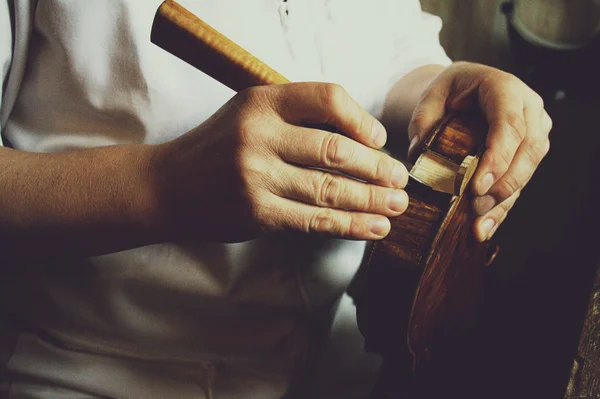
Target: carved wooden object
[420, 286]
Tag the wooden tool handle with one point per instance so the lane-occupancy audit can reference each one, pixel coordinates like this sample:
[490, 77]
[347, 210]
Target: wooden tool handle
[181, 33]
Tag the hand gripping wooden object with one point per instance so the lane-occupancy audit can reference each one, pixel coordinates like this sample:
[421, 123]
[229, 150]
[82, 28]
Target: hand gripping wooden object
[419, 286]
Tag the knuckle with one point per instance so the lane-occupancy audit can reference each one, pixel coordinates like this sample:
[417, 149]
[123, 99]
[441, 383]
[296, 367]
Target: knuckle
[332, 150]
[537, 100]
[488, 84]
[382, 171]
[332, 96]
[329, 190]
[545, 146]
[516, 125]
[505, 206]
[250, 171]
[250, 132]
[505, 78]
[355, 227]
[499, 160]
[251, 95]
[494, 80]
[537, 150]
[547, 122]
[244, 95]
[323, 220]
[542, 147]
[372, 198]
[246, 131]
[364, 123]
[263, 99]
[507, 186]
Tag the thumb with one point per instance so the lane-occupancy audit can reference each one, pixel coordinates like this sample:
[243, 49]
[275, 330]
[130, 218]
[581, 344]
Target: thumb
[428, 112]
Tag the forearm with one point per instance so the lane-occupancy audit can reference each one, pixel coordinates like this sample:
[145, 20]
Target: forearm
[400, 104]
[83, 202]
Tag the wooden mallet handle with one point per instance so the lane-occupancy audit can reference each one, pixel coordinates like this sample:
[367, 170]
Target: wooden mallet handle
[181, 33]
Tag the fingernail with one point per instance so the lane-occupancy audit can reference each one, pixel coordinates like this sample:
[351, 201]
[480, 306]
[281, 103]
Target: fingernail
[378, 134]
[413, 142]
[398, 201]
[399, 176]
[485, 184]
[484, 204]
[491, 234]
[380, 226]
[486, 227]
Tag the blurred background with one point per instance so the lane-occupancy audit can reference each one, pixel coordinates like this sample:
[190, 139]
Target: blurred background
[537, 290]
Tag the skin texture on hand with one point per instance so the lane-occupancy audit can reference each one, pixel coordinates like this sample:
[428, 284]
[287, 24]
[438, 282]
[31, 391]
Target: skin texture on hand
[517, 139]
[254, 167]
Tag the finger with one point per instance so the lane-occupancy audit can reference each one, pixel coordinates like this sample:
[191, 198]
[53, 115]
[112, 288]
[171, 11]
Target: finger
[328, 190]
[429, 111]
[451, 91]
[318, 148]
[485, 226]
[504, 112]
[326, 103]
[530, 153]
[491, 234]
[298, 216]
[546, 123]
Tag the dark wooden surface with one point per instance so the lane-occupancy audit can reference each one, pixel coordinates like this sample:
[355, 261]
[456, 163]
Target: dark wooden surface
[449, 293]
[584, 382]
[385, 287]
[419, 290]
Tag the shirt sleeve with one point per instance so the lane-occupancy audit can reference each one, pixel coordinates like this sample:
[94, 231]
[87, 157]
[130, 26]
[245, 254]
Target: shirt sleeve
[6, 39]
[415, 37]
[15, 30]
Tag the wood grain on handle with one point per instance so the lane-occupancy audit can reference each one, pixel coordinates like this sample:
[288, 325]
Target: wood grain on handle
[181, 33]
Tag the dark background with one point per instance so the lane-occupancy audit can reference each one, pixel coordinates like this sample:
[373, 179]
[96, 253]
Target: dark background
[537, 290]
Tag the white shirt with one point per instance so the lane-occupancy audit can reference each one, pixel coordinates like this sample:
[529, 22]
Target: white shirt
[191, 319]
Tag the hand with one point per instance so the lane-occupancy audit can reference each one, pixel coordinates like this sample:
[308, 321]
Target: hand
[251, 169]
[517, 140]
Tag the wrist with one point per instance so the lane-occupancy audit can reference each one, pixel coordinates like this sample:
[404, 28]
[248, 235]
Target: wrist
[149, 207]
